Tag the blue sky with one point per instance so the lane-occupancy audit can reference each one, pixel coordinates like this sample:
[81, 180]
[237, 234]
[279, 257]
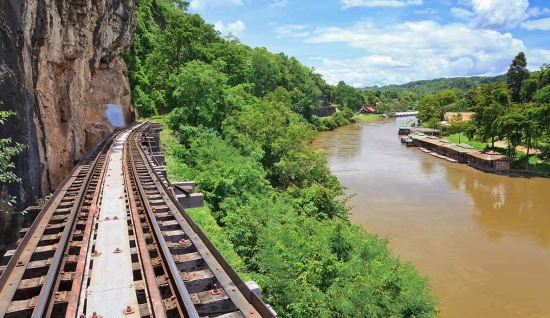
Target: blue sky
[380, 42]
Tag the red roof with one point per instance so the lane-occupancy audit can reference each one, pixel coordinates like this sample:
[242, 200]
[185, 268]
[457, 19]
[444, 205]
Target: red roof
[370, 109]
[489, 155]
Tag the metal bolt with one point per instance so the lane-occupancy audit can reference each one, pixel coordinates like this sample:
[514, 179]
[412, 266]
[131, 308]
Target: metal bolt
[117, 250]
[128, 310]
[96, 253]
[215, 290]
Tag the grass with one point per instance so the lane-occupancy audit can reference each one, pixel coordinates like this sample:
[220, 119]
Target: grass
[368, 118]
[465, 140]
[534, 162]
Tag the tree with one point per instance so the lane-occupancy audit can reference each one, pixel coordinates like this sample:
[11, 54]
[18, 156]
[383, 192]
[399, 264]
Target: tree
[433, 123]
[447, 96]
[265, 72]
[516, 76]
[492, 100]
[348, 96]
[511, 125]
[200, 95]
[428, 109]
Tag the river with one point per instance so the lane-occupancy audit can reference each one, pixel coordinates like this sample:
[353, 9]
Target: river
[483, 240]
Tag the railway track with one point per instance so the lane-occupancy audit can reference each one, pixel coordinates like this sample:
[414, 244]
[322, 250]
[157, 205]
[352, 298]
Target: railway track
[39, 276]
[163, 265]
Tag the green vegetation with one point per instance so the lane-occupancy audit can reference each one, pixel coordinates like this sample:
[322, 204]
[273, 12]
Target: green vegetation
[8, 150]
[238, 122]
[436, 85]
[177, 56]
[390, 101]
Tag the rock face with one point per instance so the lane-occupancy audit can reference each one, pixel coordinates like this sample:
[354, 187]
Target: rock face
[61, 72]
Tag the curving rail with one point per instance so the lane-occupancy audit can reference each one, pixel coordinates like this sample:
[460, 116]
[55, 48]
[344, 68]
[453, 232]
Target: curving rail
[169, 267]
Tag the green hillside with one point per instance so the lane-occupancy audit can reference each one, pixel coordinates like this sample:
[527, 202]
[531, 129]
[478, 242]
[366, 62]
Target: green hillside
[439, 84]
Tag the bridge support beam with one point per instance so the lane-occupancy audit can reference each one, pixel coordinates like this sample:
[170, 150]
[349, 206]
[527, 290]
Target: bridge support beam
[195, 200]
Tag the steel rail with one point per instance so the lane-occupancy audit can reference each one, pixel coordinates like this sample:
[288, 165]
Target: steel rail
[155, 297]
[252, 298]
[18, 263]
[47, 289]
[173, 269]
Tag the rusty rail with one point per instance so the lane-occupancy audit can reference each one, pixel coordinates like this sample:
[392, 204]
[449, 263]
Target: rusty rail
[50, 232]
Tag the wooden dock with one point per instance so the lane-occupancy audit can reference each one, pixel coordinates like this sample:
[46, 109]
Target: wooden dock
[435, 154]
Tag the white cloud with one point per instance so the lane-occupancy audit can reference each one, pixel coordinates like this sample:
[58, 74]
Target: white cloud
[537, 12]
[203, 4]
[279, 3]
[380, 3]
[428, 11]
[461, 13]
[493, 14]
[234, 28]
[540, 24]
[420, 50]
[500, 13]
[292, 31]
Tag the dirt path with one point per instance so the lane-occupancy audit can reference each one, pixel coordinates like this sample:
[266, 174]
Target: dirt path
[504, 144]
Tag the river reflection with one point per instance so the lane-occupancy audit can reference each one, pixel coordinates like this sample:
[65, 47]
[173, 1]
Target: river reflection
[512, 206]
[482, 239]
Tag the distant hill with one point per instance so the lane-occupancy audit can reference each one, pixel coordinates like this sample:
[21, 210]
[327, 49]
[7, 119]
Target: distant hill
[439, 84]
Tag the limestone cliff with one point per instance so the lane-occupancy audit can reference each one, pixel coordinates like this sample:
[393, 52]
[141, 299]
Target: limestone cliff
[61, 72]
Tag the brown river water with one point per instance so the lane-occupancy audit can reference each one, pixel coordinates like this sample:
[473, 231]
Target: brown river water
[483, 240]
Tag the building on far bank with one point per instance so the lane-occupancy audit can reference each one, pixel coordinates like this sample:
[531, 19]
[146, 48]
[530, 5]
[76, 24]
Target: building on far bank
[367, 110]
[489, 159]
